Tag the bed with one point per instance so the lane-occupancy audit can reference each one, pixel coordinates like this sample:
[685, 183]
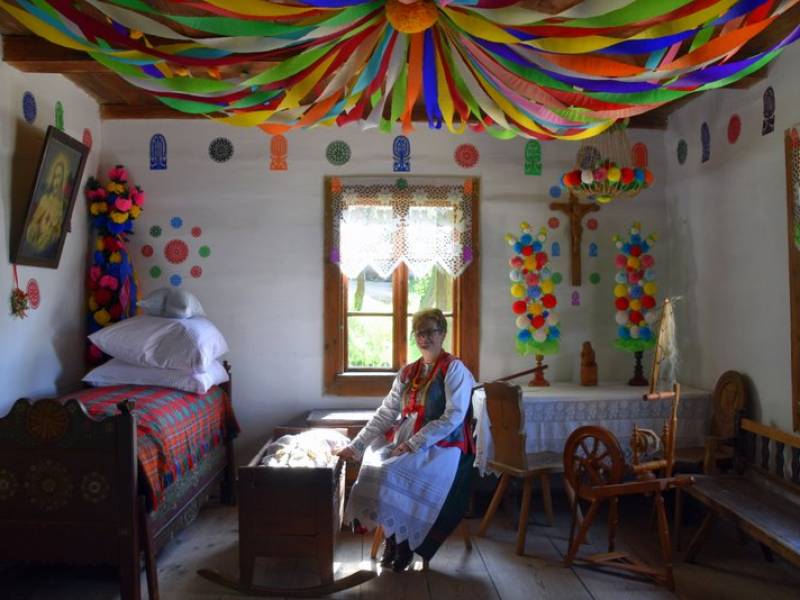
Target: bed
[106, 475]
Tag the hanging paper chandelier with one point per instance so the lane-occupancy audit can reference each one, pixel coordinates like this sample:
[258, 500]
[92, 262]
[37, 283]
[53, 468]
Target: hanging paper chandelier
[490, 65]
[604, 168]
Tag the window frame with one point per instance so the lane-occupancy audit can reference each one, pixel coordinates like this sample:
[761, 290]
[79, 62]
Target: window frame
[466, 314]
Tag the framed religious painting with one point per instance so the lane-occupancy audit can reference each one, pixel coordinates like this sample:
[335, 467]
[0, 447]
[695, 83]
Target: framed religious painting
[55, 186]
[793, 218]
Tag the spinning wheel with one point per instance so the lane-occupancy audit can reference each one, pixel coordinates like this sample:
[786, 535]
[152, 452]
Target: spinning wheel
[592, 456]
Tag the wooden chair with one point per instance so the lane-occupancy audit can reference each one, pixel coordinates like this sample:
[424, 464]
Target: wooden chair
[463, 529]
[728, 399]
[504, 407]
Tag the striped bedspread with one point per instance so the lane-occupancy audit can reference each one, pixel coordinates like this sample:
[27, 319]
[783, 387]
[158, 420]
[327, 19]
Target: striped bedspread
[174, 428]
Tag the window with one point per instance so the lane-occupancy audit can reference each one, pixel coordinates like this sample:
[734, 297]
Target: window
[373, 237]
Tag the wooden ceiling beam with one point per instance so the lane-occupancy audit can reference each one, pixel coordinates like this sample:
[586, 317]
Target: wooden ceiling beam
[32, 54]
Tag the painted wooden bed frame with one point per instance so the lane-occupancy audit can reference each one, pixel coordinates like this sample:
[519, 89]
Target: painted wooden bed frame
[69, 491]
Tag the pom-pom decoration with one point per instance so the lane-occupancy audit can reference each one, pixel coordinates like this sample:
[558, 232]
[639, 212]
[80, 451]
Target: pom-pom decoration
[634, 294]
[111, 284]
[532, 290]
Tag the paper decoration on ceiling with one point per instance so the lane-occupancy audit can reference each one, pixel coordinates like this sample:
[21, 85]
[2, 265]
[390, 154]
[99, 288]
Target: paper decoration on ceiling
[466, 156]
[533, 292]
[553, 222]
[87, 138]
[29, 107]
[639, 155]
[401, 153]
[278, 149]
[705, 140]
[499, 66]
[634, 292]
[555, 191]
[682, 151]
[111, 282]
[220, 149]
[158, 152]
[734, 128]
[593, 250]
[594, 278]
[337, 153]
[533, 158]
[59, 115]
[178, 252]
[555, 249]
[591, 223]
[588, 157]
[576, 298]
[768, 125]
[33, 292]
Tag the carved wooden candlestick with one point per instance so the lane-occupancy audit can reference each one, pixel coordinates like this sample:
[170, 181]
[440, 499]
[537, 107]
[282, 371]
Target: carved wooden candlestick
[538, 373]
[638, 372]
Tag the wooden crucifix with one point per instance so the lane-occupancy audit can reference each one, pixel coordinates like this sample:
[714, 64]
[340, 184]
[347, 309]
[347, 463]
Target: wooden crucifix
[575, 211]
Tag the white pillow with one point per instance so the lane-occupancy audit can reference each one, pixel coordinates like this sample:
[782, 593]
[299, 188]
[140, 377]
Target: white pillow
[191, 344]
[117, 372]
[172, 303]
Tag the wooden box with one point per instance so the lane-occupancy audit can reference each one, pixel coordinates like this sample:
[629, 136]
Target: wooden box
[289, 513]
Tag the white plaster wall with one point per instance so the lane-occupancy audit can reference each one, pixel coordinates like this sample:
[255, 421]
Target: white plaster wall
[728, 232]
[262, 284]
[42, 354]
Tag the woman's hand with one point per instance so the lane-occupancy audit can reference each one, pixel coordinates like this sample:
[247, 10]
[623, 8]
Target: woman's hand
[401, 449]
[347, 453]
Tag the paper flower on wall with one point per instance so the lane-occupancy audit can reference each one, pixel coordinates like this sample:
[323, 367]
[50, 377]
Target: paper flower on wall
[111, 282]
[532, 291]
[635, 291]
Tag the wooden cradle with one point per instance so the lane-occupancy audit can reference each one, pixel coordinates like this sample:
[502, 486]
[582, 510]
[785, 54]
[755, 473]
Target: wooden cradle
[70, 491]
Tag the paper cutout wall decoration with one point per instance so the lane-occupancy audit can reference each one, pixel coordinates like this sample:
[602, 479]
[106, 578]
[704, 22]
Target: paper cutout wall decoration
[768, 125]
[29, 107]
[533, 158]
[501, 67]
[401, 153]
[533, 293]
[576, 298]
[591, 223]
[279, 149]
[682, 151]
[594, 278]
[593, 250]
[555, 249]
[177, 255]
[466, 156]
[553, 222]
[220, 149]
[34, 295]
[158, 152]
[87, 138]
[59, 115]
[639, 155]
[555, 191]
[705, 140]
[338, 153]
[734, 128]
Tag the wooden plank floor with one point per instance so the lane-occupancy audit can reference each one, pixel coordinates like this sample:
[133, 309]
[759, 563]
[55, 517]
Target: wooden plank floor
[726, 568]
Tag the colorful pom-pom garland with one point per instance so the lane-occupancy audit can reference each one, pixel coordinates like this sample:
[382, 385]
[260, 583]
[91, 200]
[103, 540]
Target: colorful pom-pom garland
[635, 291]
[533, 291]
[607, 181]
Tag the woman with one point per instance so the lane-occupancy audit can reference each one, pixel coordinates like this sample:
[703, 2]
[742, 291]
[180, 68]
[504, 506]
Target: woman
[415, 474]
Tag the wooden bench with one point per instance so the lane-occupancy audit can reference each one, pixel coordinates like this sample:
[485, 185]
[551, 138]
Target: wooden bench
[760, 498]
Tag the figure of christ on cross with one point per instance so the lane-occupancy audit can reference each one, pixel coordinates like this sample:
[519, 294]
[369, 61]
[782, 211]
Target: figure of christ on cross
[575, 211]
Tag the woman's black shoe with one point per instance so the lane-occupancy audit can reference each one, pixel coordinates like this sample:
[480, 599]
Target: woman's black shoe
[403, 557]
[389, 552]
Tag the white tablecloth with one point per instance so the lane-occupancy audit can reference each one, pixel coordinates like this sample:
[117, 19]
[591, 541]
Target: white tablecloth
[553, 413]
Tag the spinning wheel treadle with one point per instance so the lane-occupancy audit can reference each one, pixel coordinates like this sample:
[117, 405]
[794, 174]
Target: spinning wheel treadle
[592, 456]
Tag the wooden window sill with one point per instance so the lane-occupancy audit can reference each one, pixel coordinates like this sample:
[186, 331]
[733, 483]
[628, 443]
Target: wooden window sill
[360, 384]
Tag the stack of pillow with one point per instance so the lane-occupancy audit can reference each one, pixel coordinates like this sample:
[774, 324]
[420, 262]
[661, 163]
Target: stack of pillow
[172, 345]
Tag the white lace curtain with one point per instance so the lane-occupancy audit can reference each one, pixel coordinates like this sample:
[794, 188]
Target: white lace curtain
[380, 222]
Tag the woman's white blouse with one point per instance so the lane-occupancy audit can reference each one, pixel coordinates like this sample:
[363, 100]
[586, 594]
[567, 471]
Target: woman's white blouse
[458, 384]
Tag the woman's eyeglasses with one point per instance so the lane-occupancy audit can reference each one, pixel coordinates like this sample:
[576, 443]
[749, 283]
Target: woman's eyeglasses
[426, 333]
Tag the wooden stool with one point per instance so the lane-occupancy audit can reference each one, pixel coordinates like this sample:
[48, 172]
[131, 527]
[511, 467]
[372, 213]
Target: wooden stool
[378, 538]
